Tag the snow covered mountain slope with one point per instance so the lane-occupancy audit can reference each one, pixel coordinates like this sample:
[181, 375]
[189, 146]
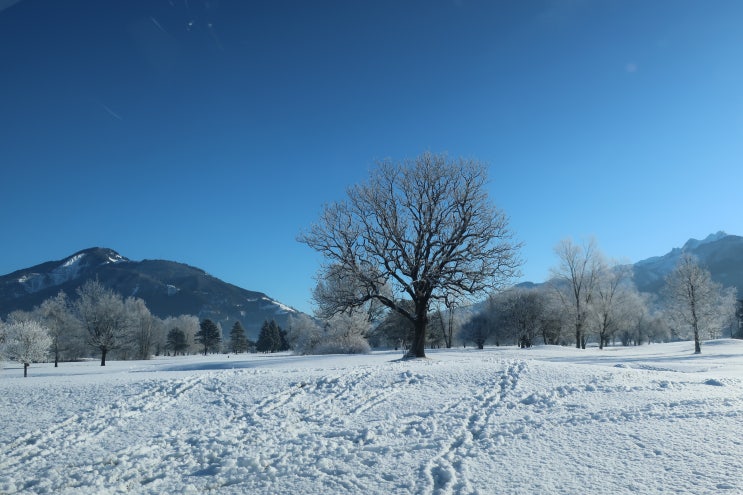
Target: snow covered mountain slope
[652, 419]
[720, 253]
[168, 288]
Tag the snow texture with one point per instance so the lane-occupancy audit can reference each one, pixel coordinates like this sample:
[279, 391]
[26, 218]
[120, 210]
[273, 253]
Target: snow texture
[279, 307]
[652, 419]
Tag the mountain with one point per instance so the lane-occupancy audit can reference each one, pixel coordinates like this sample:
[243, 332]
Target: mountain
[720, 253]
[168, 288]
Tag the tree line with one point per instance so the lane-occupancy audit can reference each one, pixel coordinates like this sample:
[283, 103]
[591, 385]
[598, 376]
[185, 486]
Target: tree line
[406, 254]
[100, 322]
[422, 235]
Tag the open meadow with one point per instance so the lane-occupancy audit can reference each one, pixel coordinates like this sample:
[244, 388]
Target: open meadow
[652, 419]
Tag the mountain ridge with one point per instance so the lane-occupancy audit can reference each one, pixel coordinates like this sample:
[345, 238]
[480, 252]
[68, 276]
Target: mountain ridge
[720, 253]
[168, 288]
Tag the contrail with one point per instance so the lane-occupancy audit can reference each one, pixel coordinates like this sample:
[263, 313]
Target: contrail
[4, 4]
[111, 112]
[154, 21]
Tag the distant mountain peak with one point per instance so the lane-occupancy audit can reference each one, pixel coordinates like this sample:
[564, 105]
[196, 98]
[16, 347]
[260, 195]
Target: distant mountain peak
[720, 253]
[695, 243]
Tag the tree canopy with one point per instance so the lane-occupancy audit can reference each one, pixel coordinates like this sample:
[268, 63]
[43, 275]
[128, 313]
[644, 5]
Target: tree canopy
[420, 230]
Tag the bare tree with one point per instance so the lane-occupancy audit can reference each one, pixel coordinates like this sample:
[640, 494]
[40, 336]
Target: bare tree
[638, 319]
[554, 319]
[446, 320]
[728, 312]
[520, 313]
[335, 286]
[394, 330]
[425, 228]
[696, 302]
[478, 330]
[101, 313]
[54, 313]
[26, 342]
[575, 281]
[612, 288]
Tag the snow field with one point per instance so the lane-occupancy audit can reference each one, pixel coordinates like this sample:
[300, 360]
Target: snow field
[548, 420]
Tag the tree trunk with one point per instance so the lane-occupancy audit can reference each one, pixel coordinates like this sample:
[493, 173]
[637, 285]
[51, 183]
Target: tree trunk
[25, 370]
[697, 344]
[450, 334]
[103, 356]
[418, 346]
[577, 337]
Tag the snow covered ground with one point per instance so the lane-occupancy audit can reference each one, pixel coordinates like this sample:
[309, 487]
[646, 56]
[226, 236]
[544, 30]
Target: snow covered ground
[652, 419]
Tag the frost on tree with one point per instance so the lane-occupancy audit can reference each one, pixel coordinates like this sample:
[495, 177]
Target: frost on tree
[695, 302]
[26, 342]
[341, 334]
[424, 228]
[575, 279]
[102, 314]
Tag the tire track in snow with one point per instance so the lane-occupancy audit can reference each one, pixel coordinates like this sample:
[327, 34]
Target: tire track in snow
[446, 472]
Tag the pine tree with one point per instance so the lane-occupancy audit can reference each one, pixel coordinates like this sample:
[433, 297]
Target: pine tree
[208, 335]
[283, 340]
[238, 340]
[269, 340]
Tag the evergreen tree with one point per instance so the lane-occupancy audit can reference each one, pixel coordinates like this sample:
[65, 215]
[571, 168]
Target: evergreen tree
[283, 340]
[238, 340]
[269, 340]
[176, 341]
[208, 335]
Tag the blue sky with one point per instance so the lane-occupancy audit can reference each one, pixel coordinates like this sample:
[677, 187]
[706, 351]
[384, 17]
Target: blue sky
[211, 133]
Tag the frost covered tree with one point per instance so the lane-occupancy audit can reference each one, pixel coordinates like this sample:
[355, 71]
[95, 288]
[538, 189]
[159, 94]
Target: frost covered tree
[424, 228]
[55, 314]
[519, 313]
[189, 325]
[345, 334]
[638, 319]
[612, 292]
[574, 280]
[335, 286]
[341, 334]
[304, 334]
[394, 330]
[142, 325]
[209, 336]
[101, 313]
[26, 342]
[446, 320]
[695, 302]
[553, 321]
